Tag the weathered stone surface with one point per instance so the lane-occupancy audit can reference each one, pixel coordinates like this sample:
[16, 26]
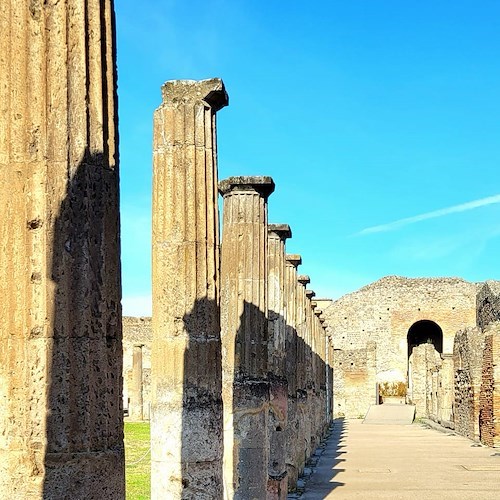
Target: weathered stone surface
[137, 331]
[186, 411]
[244, 336]
[304, 423]
[292, 261]
[489, 399]
[383, 312]
[60, 361]
[277, 486]
[136, 403]
[468, 361]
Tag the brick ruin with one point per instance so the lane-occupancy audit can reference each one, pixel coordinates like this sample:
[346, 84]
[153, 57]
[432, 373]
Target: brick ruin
[437, 336]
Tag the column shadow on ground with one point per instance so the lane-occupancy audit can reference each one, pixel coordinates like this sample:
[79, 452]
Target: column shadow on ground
[322, 482]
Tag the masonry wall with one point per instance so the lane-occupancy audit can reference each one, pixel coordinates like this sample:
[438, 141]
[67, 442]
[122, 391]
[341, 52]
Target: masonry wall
[468, 362]
[137, 331]
[383, 313]
[488, 319]
[488, 303]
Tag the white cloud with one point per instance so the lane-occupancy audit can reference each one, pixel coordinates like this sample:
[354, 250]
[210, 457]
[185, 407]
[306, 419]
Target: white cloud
[139, 305]
[391, 226]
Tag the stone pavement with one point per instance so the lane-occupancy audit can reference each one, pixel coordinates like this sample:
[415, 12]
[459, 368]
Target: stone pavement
[402, 462]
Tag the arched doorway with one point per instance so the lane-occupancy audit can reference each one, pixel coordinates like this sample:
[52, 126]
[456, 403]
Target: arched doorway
[421, 332]
[425, 332]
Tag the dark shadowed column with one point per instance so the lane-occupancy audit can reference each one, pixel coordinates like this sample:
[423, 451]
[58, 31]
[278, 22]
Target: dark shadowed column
[186, 411]
[61, 425]
[304, 427]
[292, 262]
[309, 360]
[244, 336]
[278, 387]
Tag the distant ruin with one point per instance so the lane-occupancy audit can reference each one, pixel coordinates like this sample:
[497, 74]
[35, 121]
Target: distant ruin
[436, 335]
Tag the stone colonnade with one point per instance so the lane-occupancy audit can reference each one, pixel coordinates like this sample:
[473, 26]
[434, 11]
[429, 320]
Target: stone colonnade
[60, 361]
[239, 356]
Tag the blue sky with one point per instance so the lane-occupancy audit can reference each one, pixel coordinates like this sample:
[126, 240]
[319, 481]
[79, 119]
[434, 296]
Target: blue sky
[378, 121]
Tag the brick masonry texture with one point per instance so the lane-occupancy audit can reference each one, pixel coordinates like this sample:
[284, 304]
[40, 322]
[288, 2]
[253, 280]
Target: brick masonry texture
[382, 313]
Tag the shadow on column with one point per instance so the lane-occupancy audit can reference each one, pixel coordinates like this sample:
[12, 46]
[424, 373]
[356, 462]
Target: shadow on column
[307, 419]
[84, 426]
[202, 415]
[250, 405]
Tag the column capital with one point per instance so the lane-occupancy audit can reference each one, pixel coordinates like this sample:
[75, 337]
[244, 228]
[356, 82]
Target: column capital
[211, 91]
[318, 312]
[303, 279]
[294, 259]
[283, 231]
[262, 184]
[310, 294]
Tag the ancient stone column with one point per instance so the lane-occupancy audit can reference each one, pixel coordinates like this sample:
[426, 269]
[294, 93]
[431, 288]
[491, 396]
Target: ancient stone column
[278, 386]
[304, 422]
[135, 390]
[309, 370]
[318, 372]
[244, 336]
[61, 358]
[186, 401]
[292, 261]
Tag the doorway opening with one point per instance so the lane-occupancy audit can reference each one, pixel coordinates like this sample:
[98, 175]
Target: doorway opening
[425, 332]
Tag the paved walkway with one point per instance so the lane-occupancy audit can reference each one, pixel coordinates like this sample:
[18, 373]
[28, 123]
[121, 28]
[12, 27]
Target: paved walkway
[403, 462]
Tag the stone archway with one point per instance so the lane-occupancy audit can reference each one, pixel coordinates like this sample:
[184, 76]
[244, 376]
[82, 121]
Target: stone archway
[429, 335]
[425, 332]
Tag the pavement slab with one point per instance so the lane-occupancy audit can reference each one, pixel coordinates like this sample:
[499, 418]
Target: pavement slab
[365, 461]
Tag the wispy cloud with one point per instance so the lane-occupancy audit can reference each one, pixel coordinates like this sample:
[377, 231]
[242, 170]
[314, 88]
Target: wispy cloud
[391, 226]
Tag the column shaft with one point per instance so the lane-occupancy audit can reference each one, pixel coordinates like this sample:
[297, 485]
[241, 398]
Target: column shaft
[136, 393]
[186, 412]
[304, 423]
[244, 336]
[278, 387]
[291, 347]
[61, 360]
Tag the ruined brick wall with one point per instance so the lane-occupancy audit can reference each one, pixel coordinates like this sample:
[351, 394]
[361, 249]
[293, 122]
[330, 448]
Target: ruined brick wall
[486, 424]
[489, 399]
[468, 361]
[137, 331]
[488, 303]
[383, 312]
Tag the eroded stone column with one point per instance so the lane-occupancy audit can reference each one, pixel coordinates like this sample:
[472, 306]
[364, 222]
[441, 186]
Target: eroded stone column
[292, 262]
[61, 357]
[136, 393]
[309, 370]
[278, 386]
[304, 423]
[186, 411]
[318, 380]
[244, 336]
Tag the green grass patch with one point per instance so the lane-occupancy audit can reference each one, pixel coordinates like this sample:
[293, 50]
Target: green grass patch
[137, 460]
